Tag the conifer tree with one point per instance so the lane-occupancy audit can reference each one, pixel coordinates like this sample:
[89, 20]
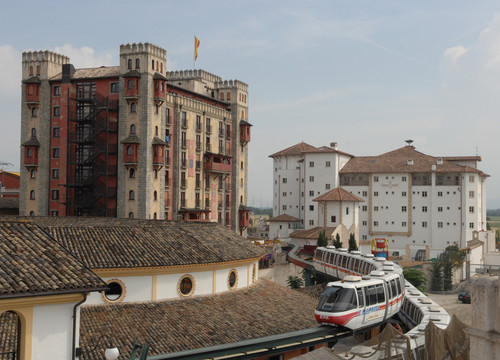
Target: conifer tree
[322, 240]
[337, 243]
[352, 243]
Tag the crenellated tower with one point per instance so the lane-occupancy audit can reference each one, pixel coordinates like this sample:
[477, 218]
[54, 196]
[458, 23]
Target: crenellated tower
[38, 68]
[141, 132]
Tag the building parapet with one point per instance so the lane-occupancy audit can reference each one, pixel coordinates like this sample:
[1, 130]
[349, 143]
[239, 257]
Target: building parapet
[198, 105]
[45, 55]
[232, 83]
[193, 74]
[141, 48]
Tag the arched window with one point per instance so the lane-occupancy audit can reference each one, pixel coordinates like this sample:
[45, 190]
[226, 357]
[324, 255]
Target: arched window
[156, 173]
[161, 70]
[222, 96]
[155, 216]
[242, 114]
[130, 215]
[137, 63]
[32, 195]
[156, 130]
[130, 151]
[131, 195]
[228, 97]
[241, 199]
[33, 173]
[152, 64]
[156, 65]
[38, 69]
[155, 195]
[31, 70]
[132, 129]
[129, 65]
[131, 173]
[33, 132]
[133, 107]
[33, 111]
[162, 86]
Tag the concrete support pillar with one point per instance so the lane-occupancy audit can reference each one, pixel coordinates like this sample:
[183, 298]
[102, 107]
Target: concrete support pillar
[307, 277]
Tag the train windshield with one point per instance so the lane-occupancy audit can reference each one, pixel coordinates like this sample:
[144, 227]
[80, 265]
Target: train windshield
[337, 299]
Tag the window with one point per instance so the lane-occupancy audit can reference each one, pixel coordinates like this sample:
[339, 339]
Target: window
[364, 208]
[284, 180]
[34, 111]
[133, 107]
[424, 193]
[311, 207]
[152, 64]
[130, 84]
[365, 193]
[311, 193]
[440, 224]
[129, 64]
[375, 179]
[403, 208]
[131, 195]
[131, 173]
[283, 207]
[115, 87]
[311, 222]
[228, 96]
[56, 132]
[156, 110]
[33, 132]
[471, 194]
[155, 196]
[327, 186]
[57, 111]
[311, 178]
[364, 223]
[284, 193]
[440, 209]
[375, 193]
[130, 151]
[440, 193]
[471, 225]
[55, 194]
[471, 209]
[424, 208]
[375, 208]
[333, 219]
[403, 193]
[32, 195]
[311, 163]
[424, 224]
[131, 215]
[33, 173]
[54, 213]
[403, 224]
[375, 223]
[132, 129]
[186, 285]
[55, 153]
[115, 292]
[57, 90]
[232, 279]
[471, 178]
[327, 164]
[403, 178]
[347, 211]
[55, 173]
[137, 63]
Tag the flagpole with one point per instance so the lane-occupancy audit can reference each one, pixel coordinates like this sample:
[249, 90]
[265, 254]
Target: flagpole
[194, 53]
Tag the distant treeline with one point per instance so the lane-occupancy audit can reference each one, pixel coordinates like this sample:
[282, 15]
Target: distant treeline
[262, 211]
[495, 212]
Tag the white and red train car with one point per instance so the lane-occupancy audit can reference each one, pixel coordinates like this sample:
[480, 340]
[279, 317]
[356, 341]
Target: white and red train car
[371, 290]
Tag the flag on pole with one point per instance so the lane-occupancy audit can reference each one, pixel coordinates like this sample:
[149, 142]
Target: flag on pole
[196, 45]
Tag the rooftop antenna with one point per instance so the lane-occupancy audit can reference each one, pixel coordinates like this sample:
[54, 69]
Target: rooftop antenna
[409, 141]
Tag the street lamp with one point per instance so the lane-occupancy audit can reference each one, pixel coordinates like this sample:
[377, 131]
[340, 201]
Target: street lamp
[111, 352]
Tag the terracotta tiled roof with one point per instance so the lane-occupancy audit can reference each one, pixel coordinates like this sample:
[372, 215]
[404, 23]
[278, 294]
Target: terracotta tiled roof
[262, 310]
[297, 149]
[312, 233]
[33, 141]
[326, 149]
[92, 73]
[35, 264]
[284, 218]
[397, 162]
[9, 203]
[105, 243]
[462, 158]
[8, 332]
[338, 194]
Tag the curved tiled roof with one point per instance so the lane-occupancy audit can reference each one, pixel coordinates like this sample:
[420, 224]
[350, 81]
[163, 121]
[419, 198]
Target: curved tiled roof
[296, 149]
[338, 194]
[124, 243]
[262, 310]
[312, 233]
[34, 264]
[396, 161]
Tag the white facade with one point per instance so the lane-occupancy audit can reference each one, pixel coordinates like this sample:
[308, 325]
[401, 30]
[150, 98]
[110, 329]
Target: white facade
[414, 200]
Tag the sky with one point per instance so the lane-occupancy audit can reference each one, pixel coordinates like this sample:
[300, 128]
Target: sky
[365, 74]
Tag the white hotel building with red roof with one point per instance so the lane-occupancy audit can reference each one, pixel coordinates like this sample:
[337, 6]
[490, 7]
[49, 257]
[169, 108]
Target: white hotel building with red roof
[420, 203]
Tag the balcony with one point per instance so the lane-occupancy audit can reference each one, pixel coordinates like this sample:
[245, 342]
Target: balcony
[198, 146]
[244, 132]
[217, 163]
[198, 127]
[32, 90]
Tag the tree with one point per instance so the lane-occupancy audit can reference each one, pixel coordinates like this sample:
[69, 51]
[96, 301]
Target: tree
[415, 277]
[352, 243]
[322, 240]
[437, 277]
[294, 282]
[451, 258]
[337, 243]
[448, 268]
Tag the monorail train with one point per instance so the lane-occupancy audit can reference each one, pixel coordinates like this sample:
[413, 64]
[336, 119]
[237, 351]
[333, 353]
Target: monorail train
[371, 291]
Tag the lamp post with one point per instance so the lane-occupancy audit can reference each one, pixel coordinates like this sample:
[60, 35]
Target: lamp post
[111, 352]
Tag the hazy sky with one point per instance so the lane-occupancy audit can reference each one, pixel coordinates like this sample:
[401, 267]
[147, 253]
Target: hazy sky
[366, 74]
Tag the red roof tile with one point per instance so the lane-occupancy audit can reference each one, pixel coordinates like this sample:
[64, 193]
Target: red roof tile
[284, 218]
[296, 149]
[338, 194]
[312, 233]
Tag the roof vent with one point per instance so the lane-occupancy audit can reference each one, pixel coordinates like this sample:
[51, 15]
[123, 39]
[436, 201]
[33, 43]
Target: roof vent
[352, 278]
[369, 256]
[355, 252]
[342, 250]
[409, 162]
[330, 247]
[439, 161]
[377, 273]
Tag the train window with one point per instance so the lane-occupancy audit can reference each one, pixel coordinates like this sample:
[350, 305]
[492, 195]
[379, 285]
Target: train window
[380, 293]
[398, 284]
[390, 295]
[337, 299]
[355, 268]
[371, 295]
[344, 261]
[319, 255]
[361, 301]
[394, 288]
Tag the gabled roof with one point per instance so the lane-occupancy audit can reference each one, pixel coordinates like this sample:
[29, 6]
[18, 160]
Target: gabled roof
[110, 243]
[396, 161]
[34, 264]
[258, 311]
[338, 194]
[312, 233]
[284, 218]
[326, 149]
[297, 149]
[92, 73]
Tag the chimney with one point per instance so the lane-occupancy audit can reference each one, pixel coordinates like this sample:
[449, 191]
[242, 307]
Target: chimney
[334, 145]
[67, 73]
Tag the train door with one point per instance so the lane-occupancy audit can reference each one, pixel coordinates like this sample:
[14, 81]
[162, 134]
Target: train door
[388, 297]
[361, 303]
